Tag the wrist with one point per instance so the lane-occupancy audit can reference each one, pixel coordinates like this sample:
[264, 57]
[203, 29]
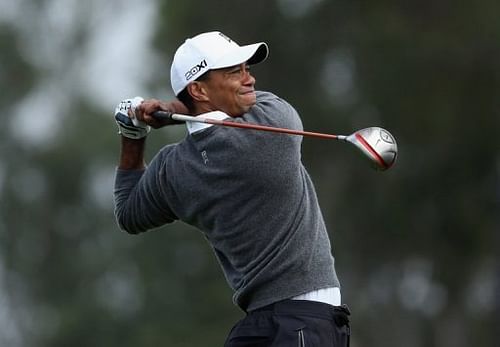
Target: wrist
[132, 153]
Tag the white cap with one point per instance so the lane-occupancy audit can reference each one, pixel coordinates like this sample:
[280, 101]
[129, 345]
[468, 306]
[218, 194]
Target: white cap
[207, 51]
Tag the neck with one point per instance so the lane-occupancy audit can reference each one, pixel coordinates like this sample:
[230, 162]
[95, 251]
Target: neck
[203, 107]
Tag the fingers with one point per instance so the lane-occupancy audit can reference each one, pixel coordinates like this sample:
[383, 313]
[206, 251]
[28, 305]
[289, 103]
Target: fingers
[174, 106]
[152, 105]
[145, 110]
[147, 107]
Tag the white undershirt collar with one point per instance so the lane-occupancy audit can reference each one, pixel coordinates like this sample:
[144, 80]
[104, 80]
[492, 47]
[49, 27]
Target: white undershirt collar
[194, 127]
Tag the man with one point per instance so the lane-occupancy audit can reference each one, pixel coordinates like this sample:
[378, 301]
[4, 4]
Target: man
[246, 190]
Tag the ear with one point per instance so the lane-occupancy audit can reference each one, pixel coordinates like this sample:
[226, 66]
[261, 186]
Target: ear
[198, 91]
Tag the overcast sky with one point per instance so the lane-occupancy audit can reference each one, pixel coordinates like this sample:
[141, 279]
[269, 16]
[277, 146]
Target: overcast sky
[112, 62]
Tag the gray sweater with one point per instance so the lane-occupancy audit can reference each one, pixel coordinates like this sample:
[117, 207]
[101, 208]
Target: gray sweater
[249, 194]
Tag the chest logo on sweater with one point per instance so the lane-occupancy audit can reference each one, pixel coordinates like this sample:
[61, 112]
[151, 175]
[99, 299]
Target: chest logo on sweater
[204, 156]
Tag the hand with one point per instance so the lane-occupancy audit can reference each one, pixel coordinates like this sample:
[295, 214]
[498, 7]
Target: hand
[145, 112]
[126, 119]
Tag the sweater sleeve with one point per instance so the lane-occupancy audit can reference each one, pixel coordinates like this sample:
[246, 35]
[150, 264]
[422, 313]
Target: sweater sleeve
[140, 201]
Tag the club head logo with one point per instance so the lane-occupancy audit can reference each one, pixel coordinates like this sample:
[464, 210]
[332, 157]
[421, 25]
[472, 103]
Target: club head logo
[386, 137]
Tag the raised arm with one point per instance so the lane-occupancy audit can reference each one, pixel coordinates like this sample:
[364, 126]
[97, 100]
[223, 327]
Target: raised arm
[138, 203]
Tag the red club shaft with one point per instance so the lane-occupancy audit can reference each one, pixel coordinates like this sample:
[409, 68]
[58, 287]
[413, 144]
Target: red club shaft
[273, 129]
[185, 118]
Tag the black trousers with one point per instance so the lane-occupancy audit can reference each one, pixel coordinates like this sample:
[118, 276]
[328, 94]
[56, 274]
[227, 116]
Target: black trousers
[292, 323]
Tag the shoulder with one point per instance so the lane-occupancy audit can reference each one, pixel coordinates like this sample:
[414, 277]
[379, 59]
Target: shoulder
[270, 99]
[275, 109]
[168, 149]
[164, 155]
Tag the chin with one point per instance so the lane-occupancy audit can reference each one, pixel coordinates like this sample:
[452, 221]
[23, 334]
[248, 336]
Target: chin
[240, 113]
[248, 99]
[242, 109]
[246, 109]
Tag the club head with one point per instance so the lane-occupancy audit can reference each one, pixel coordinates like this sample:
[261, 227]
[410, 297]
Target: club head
[376, 144]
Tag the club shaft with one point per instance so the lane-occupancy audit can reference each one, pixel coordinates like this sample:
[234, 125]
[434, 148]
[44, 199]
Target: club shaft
[185, 118]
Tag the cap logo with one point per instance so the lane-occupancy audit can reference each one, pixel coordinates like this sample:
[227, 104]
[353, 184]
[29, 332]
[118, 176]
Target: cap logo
[195, 69]
[225, 37]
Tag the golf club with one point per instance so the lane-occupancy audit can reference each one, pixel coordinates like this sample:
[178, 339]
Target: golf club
[377, 144]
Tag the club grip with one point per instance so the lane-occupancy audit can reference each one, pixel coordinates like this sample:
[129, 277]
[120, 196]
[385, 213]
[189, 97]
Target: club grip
[162, 115]
[166, 117]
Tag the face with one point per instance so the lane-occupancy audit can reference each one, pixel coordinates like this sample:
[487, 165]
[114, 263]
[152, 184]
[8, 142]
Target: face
[230, 90]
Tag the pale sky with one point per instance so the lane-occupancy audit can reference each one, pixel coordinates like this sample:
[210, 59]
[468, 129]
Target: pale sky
[114, 61]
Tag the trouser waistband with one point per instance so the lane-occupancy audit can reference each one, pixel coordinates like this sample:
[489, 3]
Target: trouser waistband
[305, 307]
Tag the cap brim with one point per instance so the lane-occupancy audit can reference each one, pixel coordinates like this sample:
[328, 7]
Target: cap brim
[252, 54]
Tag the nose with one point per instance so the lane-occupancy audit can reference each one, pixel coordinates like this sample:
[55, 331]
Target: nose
[247, 77]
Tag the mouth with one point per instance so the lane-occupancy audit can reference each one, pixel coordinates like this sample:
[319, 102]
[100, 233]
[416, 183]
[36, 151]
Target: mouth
[248, 95]
[248, 92]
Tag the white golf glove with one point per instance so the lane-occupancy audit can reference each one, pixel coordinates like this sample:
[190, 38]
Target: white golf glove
[128, 125]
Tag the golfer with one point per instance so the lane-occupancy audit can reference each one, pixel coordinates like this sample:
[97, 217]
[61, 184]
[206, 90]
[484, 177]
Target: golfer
[247, 191]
